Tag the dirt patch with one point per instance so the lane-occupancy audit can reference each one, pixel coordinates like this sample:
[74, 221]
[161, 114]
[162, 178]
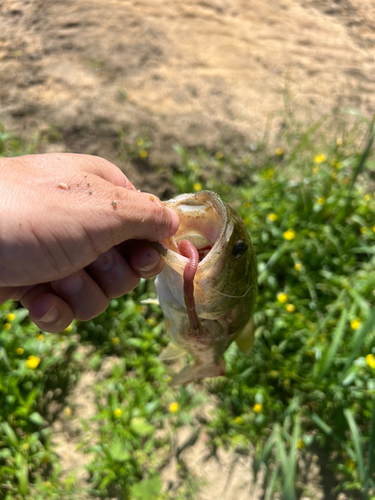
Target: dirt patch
[197, 73]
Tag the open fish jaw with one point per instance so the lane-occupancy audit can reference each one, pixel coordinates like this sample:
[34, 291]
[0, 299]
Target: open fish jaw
[204, 222]
[225, 285]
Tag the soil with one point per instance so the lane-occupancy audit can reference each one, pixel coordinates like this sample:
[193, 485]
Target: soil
[211, 73]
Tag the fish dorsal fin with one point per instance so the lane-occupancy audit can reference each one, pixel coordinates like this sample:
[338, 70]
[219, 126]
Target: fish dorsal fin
[245, 339]
[172, 351]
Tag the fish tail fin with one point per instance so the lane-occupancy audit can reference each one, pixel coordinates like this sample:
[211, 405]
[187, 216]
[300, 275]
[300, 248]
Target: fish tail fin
[245, 339]
[172, 351]
[195, 371]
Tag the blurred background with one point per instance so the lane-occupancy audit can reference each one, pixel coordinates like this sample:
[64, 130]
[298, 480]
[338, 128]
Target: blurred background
[197, 73]
[271, 105]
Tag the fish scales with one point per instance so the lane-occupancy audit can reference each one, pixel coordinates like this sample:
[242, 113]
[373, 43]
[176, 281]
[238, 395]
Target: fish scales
[225, 285]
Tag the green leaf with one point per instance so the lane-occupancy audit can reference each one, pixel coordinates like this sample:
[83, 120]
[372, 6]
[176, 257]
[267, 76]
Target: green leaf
[141, 427]
[147, 489]
[4, 362]
[118, 452]
[5, 453]
[330, 353]
[370, 465]
[10, 434]
[365, 154]
[358, 340]
[357, 442]
[36, 418]
[22, 473]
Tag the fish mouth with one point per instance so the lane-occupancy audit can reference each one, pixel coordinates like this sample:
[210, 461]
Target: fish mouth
[203, 221]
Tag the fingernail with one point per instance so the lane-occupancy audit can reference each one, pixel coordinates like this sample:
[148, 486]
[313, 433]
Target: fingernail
[150, 258]
[50, 316]
[175, 221]
[70, 285]
[104, 262]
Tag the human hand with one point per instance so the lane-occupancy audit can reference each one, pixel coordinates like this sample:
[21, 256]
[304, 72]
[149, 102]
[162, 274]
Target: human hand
[73, 234]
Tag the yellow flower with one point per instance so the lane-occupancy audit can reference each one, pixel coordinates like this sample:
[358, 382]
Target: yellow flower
[268, 173]
[355, 324]
[290, 308]
[272, 217]
[40, 337]
[140, 142]
[68, 329]
[219, 155]
[197, 186]
[26, 446]
[370, 360]
[67, 412]
[173, 407]
[10, 317]
[48, 484]
[32, 362]
[300, 444]
[246, 204]
[320, 158]
[19, 351]
[7, 326]
[297, 266]
[115, 340]
[282, 297]
[258, 407]
[143, 153]
[238, 420]
[117, 413]
[321, 201]
[373, 228]
[290, 234]
[279, 151]
[350, 463]
[368, 197]
[363, 230]
[338, 141]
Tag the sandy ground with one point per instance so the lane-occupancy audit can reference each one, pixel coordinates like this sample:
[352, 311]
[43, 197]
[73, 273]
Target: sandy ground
[197, 72]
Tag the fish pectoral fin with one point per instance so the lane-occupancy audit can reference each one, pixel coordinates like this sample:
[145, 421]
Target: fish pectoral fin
[150, 301]
[172, 351]
[245, 339]
[196, 371]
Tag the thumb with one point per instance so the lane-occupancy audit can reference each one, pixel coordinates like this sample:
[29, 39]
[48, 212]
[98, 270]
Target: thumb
[133, 215]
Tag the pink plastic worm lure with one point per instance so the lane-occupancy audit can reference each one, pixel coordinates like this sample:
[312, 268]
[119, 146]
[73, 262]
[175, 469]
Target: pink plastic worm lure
[187, 249]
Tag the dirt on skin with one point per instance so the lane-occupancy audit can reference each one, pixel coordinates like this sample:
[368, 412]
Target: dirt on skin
[211, 73]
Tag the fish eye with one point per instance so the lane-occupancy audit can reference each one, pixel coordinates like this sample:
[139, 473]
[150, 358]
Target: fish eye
[239, 249]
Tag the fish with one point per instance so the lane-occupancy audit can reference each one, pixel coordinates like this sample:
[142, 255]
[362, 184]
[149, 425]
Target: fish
[208, 285]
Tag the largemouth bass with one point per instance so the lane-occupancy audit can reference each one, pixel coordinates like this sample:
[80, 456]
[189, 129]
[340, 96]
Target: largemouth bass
[208, 285]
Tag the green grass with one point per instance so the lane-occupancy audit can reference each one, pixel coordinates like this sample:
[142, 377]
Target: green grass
[307, 388]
